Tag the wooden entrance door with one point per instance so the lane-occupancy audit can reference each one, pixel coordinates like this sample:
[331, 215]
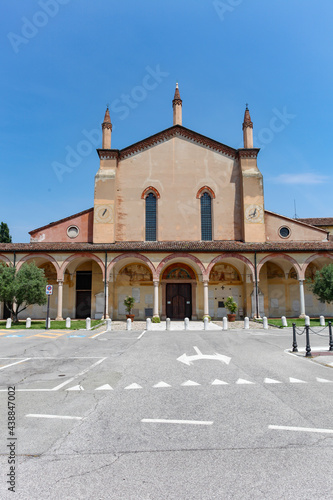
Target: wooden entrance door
[179, 300]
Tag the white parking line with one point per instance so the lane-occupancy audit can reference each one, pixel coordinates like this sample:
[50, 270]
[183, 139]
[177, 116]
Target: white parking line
[78, 375]
[300, 429]
[53, 416]
[141, 334]
[187, 422]
[97, 334]
[16, 363]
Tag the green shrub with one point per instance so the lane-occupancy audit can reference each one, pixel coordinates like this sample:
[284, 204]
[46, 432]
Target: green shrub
[156, 319]
[231, 305]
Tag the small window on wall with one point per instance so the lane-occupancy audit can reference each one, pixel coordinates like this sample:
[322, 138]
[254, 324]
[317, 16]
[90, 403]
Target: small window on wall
[284, 232]
[206, 217]
[73, 231]
[151, 217]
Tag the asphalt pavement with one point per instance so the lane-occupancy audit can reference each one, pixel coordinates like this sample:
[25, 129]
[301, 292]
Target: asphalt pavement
[166, 415]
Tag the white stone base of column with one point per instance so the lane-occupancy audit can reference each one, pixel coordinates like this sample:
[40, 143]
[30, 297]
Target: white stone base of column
[59, 318]
[302, 316]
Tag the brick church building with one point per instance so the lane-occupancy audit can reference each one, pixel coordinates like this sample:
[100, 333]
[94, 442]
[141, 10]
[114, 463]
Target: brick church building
[179, 223]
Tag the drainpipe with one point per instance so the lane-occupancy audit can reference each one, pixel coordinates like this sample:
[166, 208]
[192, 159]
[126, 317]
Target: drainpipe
[14, 258]
[105, 284]
[256, 282]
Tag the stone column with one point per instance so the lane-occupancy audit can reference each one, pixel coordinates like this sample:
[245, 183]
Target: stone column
[107, 301]
[155, 306]
[206, 303]
[60, 290]
[301, 299]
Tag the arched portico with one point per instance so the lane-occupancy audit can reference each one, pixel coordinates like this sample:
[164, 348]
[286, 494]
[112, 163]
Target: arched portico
[83, 274]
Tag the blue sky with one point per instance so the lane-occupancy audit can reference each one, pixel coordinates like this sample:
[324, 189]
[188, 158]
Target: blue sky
[63, 60]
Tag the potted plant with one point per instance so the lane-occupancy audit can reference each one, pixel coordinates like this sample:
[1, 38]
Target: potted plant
[129, 303]
[231, 305]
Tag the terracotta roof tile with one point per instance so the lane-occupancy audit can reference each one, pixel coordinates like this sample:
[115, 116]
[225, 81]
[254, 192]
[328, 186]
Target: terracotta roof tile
[170, 246]
[318, 221]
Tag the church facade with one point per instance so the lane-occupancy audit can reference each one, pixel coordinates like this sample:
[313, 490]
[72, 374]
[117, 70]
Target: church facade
[179, 223]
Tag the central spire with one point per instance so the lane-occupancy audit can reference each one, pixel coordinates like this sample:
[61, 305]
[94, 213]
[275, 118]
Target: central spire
[177, 105]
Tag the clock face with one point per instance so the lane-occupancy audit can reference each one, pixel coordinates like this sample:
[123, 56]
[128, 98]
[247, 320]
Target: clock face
[254, 213]
[104, 213]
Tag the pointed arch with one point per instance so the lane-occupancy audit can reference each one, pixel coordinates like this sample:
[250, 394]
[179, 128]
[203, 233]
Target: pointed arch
[148, 190]
[205, 189]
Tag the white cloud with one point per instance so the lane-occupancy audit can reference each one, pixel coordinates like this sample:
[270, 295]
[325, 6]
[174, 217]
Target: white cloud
[306, 178]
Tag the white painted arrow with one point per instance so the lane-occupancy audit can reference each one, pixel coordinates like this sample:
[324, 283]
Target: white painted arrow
[188, 360]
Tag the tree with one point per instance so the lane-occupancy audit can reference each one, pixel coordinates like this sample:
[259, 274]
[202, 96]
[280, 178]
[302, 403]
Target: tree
[20, 289]
[5, 237]
[322, 285]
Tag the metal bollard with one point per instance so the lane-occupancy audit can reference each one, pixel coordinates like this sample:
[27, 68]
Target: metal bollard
[322, 320]
[206, 323]
[294, 339]
[88, 324]
[246, 323]
[186, 323]
[68, 322]
[225, 323]
[148, 324]
[265, 323]
[307, 320]
[9, 323]
[48, 323]
[128, 324]
[28, 323]
[330, 335]
[308, 347]
[108, 325]
[284, 321]
[168, 324]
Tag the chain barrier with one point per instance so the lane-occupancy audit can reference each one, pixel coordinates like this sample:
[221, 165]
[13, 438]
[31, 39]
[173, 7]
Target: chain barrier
[318, 333]
[307, 330]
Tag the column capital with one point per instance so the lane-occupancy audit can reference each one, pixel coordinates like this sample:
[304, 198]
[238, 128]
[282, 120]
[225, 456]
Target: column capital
[60, 282]
[156, 282]
[205, 282]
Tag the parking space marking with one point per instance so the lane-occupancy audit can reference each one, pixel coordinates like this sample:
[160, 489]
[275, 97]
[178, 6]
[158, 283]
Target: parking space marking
[299, 429]
[97, 334]
[53, 416]
[50, 335]
[16, 363]
[79, 374]
[187, 422]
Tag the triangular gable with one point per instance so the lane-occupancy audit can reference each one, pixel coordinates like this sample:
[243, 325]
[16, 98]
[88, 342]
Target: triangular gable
[166, 135]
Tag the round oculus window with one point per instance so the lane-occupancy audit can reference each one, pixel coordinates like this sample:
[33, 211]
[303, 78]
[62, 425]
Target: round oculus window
[73, 231]
[284, 232]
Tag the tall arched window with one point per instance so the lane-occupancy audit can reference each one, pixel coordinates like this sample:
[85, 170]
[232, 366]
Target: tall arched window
[206, 217]
[151, 217]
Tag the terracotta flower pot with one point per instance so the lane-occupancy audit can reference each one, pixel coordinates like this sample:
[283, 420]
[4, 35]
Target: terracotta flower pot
[131, 316]
[231, 317]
